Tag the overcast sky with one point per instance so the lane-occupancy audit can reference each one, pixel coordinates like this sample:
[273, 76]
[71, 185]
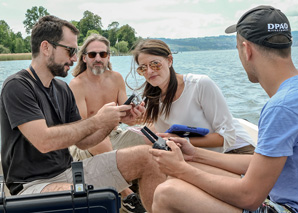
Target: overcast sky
[150, 18]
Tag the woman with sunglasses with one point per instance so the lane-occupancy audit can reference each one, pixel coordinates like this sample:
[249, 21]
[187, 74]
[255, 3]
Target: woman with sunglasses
[189, 99]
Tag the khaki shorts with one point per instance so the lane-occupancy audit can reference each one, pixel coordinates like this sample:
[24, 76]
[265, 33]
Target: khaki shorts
[99, 171]
[119, 138]
[249, 150]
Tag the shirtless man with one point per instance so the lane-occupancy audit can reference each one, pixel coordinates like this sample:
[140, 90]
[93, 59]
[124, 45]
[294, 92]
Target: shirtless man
[94, 85]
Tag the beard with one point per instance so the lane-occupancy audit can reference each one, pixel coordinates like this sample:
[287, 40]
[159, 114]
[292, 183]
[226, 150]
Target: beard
[98, 70]
[57, 69]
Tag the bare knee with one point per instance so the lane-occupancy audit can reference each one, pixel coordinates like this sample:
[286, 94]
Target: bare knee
[164, 196]
[54, 187]
[134, 162]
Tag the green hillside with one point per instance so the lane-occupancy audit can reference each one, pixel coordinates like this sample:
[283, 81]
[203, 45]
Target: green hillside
[209, 43]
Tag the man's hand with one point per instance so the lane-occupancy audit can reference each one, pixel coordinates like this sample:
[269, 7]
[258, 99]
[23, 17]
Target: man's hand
[133, 114]
[110, 115]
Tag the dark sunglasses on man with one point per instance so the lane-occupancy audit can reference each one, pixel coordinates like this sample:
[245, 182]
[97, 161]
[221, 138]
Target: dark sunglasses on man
[71, 50]
[102, 54]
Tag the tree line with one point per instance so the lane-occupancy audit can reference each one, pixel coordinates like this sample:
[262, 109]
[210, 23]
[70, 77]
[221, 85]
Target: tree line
[122, 38]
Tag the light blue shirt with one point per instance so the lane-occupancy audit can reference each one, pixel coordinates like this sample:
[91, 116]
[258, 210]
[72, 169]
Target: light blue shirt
[278, 136]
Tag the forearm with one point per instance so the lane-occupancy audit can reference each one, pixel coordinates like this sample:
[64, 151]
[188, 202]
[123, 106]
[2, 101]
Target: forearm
[226, 188]
[247, 192]
[95, 138]
[84, 133]
[237, 164]
[210, 140]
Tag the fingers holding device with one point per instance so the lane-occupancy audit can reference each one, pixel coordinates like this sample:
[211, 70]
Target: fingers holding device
[158, 142]
[135, 99]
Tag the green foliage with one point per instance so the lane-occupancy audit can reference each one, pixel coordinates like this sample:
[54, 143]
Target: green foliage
[3, 49]
[122, 47]
[114, 51]
[112, 32]
[5, 33]
[92, 32]
[19, 46]
[75, 23]
[127, 33]
[90, 21]
[27, 43]
[32, 17]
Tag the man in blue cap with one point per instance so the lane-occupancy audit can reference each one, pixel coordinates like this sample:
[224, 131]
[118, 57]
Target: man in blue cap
[205, 181]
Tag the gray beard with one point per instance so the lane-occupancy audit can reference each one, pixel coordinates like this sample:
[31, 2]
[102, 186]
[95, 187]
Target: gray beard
[98, 71]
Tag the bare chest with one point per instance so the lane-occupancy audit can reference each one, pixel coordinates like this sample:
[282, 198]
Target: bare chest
[99, 96]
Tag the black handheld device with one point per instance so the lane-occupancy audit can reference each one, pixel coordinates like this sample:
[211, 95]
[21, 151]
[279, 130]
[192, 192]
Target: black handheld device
[135, 99]
[129, 100]
[158, 142]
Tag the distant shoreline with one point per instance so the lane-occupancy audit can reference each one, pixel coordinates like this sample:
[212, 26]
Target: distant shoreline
[15, 56]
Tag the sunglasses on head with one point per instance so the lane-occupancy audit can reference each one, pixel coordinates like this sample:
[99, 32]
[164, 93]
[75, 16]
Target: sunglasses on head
[154, 65]
[71, 50]
[102, 54]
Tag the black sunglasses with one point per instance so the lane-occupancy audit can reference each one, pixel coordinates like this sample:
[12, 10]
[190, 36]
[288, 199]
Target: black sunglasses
[101, 54]
[71, 50]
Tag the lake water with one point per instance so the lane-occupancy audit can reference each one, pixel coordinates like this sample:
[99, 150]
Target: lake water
[244, 99]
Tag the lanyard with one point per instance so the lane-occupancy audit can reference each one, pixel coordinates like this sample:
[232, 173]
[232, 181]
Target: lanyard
[39, 83]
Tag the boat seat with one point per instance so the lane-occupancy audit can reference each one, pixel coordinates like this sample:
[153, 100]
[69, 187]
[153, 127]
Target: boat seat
[251, 129]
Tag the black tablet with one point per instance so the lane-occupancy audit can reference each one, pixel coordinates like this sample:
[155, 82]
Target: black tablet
[187, 131]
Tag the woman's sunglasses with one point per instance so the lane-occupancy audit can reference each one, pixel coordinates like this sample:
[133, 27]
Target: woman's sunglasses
[93, 54]
[71, 50]
[154, 65]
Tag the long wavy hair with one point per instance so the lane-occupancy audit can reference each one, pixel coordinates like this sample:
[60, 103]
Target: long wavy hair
[153, 94]
[81, 65]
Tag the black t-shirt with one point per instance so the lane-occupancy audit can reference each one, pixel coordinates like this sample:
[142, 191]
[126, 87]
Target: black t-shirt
[22, 100]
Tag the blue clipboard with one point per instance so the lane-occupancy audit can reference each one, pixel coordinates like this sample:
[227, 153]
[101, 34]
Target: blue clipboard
[187, 131]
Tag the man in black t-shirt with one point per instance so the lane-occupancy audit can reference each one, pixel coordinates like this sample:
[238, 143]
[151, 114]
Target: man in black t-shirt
[40, 120]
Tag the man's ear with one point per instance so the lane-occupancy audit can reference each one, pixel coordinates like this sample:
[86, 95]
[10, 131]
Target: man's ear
[45, 48]
[247, 50]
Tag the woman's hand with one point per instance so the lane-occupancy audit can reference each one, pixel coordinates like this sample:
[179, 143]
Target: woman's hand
[187, 148]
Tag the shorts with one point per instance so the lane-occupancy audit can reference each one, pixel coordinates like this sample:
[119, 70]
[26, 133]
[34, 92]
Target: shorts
[126, 138]
[249, 150]
[119, 138]
[99, 171]
[269, 206]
